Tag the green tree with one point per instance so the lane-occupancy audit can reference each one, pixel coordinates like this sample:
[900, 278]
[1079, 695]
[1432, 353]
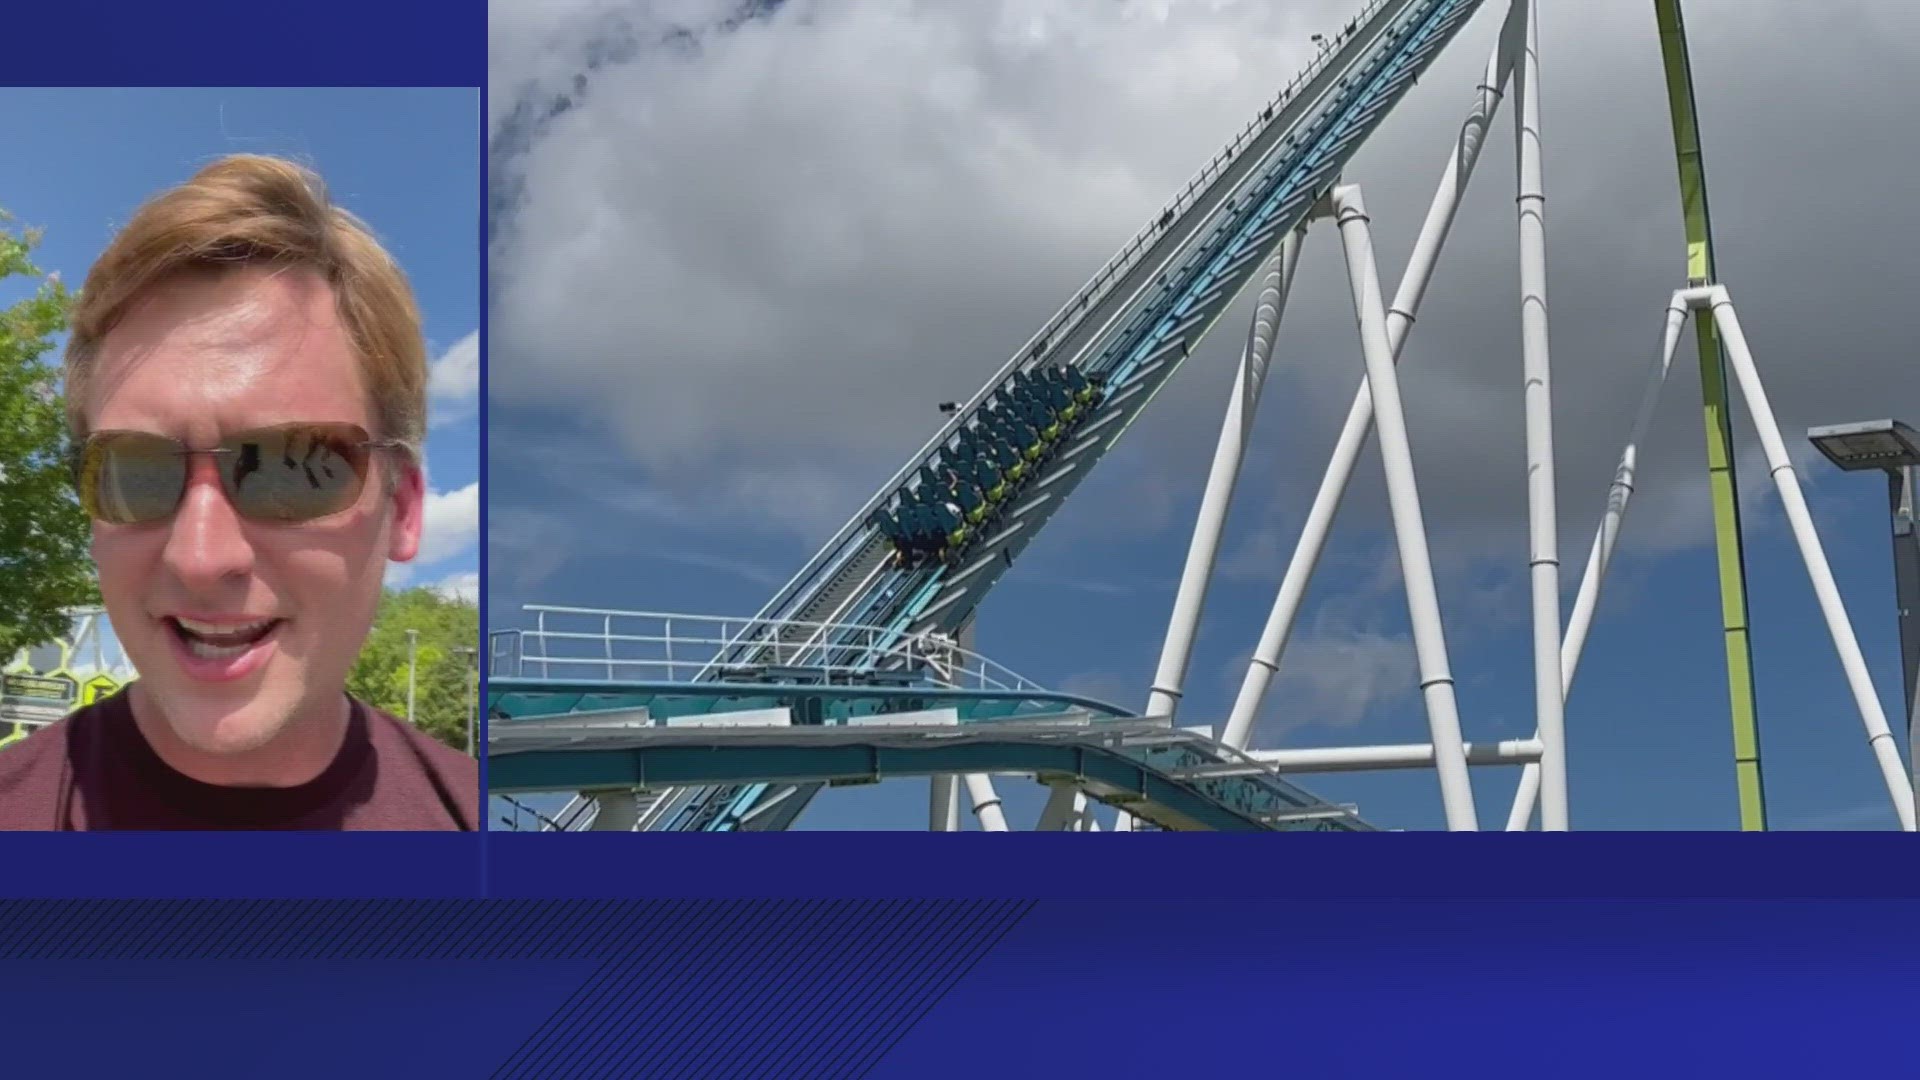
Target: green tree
[45, 565]
[444, 675]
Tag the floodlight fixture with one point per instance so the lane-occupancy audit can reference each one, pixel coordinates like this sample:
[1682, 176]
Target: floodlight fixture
[1891, 447]
[1872, 444]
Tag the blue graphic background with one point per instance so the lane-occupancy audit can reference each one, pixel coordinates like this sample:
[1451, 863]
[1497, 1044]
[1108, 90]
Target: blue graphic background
[901, 956]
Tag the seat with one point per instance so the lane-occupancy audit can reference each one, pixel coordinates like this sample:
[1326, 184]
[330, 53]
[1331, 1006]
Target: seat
[972, 503]
[1061, 398]
[1008, 425]
[987, 477]
[965, 448]
[888, 524]
[1035, 412]
[950, 528]
[926, 527]
[1078, 383]
[1012, 466]
[1025, 437]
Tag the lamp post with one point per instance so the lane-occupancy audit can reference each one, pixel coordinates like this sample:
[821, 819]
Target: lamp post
[1893, 448]
[413, 641]
[472, 655]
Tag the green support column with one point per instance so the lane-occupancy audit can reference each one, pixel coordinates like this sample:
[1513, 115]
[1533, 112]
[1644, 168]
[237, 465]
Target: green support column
[1719, 421]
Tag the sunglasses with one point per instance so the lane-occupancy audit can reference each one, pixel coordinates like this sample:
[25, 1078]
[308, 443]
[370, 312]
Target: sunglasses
[286, 474]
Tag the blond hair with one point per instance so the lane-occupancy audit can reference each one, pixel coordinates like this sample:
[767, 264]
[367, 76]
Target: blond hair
[255, 210]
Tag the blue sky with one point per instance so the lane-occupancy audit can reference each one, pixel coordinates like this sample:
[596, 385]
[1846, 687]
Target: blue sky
[730, 282]
[79, 162]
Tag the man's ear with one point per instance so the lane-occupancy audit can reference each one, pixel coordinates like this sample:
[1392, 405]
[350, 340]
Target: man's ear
[407, 494]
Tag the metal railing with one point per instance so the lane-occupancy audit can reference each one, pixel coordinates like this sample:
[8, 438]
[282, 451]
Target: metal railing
[647, 646]
[503, 662]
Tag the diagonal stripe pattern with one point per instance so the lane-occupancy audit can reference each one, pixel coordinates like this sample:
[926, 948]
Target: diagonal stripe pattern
[737, 988]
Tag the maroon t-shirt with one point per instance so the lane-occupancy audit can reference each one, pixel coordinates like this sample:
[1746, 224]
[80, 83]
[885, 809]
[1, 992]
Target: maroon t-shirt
[95, 770]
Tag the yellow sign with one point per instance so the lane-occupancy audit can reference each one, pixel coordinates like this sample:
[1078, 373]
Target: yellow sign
[100, 686]
[37, 699]
[39, 686]
[56, 687]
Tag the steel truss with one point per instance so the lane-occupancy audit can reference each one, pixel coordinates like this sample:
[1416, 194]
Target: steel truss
[1383, 330]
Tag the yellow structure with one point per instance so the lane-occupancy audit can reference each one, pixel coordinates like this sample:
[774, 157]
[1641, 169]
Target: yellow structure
[33, 694]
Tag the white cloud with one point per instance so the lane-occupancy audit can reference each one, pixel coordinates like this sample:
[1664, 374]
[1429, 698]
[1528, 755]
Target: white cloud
[452, 524]
[464, 585]
[526, 546]
[460, 585]
[946, 216]
[453, 380]
[846, 212]
[1337, 674]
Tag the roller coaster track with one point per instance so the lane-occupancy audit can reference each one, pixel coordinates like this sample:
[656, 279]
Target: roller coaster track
[1176, 779]
[1133, 323]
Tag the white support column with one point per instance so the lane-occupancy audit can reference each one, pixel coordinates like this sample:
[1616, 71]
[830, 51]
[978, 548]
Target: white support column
[1543, 561]
[1177, 649]
[1409, 527]
[1461, 159]
[1600, 555]
[943, 804]
[619, 811]
[979, 783]
[1879, 736]
[1062, 809]
[986, 804]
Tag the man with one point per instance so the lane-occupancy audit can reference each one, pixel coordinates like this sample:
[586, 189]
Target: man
[246, 389]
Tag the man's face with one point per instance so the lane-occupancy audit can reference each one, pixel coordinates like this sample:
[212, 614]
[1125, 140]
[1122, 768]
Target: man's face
[199, 357]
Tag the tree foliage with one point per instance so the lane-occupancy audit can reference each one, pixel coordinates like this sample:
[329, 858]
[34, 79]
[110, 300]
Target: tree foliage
[45, 564]
[443, 674]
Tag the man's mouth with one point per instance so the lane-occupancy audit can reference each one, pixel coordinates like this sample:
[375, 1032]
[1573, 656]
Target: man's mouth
[220, 641]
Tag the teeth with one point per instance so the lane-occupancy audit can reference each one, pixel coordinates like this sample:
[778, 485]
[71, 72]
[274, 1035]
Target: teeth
[217, 629]
[206, 651]
[216, 641]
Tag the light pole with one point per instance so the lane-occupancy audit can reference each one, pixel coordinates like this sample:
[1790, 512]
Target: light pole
[472, 655]
[413, 641]
[1893, 448]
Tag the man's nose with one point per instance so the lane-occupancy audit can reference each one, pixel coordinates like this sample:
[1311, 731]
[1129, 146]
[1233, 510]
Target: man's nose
[208, 541]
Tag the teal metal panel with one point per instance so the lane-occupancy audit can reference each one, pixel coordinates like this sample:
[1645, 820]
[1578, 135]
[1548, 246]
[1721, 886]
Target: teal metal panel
[518, 699]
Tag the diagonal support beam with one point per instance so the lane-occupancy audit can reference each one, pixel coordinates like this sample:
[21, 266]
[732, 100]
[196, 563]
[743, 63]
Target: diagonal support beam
[1879, 735]
[1409, 526]
[1461, 158]
[1600, 555]
[1064, 806]
[986, 804]
[1176, 649]
[943, 803]
[1215, 503]
[1880, 739]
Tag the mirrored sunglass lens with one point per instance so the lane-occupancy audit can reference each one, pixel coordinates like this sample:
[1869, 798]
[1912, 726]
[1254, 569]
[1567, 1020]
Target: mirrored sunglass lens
[130, 479]
[295, 474]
